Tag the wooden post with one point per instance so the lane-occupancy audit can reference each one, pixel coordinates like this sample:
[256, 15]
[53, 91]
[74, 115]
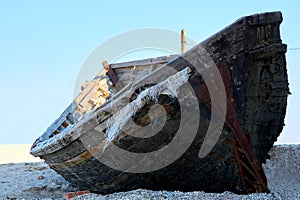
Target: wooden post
[182, 41]
[110, 72]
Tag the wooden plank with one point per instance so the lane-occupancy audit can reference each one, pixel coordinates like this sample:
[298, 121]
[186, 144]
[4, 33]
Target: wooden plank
[148, 61]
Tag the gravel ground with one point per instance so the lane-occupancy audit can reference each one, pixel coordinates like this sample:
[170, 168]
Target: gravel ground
[31, 180]
[37, 181]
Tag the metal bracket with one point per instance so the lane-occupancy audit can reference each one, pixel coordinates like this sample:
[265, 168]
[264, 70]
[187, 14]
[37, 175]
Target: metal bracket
[251, 173]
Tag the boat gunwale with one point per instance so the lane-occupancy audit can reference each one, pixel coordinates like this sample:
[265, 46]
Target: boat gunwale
[64, 138]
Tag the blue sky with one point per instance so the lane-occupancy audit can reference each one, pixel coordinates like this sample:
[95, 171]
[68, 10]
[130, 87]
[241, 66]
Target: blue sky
[44, 43]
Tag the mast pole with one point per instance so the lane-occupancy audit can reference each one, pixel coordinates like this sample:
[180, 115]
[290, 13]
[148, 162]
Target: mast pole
[182, 41]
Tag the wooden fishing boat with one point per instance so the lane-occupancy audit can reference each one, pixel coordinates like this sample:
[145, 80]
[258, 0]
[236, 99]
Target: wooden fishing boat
[85, 143]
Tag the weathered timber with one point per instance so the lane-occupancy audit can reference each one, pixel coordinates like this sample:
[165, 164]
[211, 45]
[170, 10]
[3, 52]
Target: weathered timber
[250, 57]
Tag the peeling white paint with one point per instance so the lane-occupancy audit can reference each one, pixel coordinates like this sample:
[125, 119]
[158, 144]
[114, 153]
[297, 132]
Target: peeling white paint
[169, 86]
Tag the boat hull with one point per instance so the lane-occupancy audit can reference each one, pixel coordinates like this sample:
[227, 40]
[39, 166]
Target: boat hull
[251, 59]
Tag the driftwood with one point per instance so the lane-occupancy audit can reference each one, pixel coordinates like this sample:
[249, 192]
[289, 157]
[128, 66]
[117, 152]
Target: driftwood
[251, 60]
